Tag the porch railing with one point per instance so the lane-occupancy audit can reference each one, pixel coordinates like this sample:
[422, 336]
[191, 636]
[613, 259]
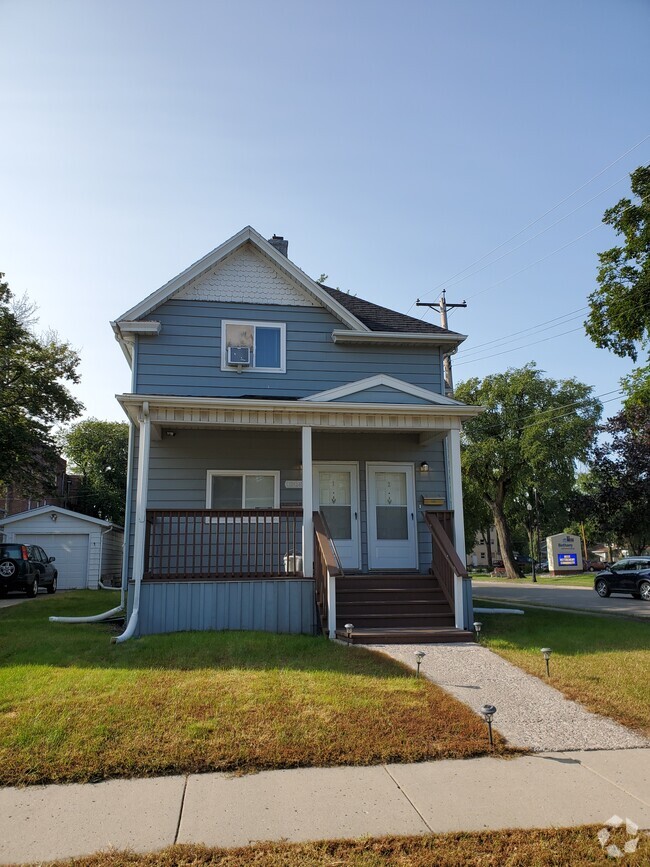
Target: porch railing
[223, 544]
[445, 562]
[327, 568]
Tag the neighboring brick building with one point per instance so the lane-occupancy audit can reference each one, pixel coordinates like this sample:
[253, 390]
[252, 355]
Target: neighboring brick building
[64, 493]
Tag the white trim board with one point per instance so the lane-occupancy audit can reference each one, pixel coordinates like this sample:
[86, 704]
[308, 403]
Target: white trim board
[387, 381]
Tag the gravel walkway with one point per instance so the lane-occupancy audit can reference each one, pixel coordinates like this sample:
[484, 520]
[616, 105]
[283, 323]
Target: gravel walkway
[530, 713]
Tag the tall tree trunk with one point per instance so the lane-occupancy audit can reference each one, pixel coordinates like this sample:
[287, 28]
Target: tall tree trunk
[503, 534]
[487, 535]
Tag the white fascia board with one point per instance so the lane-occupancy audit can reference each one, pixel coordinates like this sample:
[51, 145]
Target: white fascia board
[403, 338]
[379, 380]
[44, 510]
[214, 256]
[135, 402]
[140, 327]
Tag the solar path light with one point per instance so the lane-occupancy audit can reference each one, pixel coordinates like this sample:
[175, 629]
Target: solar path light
[546, 653]
[348, 631]
[477, 629]
[419, 656]
[488, 711]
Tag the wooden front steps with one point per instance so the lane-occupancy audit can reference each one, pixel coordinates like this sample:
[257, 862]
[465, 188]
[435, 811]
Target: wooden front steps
[404, 608]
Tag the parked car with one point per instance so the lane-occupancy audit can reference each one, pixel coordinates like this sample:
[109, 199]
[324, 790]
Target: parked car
[631, 575]
[26, 568]
[595, 565]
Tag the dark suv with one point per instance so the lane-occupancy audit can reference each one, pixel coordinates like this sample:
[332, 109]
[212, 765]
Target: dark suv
[631, 575]
[26, 568]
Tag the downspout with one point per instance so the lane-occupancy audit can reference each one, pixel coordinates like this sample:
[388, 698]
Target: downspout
[97, 618]
[101, 557]
[140, 521]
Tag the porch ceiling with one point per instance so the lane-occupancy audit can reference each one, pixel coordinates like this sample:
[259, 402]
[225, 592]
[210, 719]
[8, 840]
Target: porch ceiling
[170, 412]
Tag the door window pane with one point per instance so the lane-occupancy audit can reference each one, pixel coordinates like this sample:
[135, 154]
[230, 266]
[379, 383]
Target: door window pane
[392, 522]
[335, 489]
[339, 520]
[226, 492]
[259, 492]
[390, 489]
[267, 347]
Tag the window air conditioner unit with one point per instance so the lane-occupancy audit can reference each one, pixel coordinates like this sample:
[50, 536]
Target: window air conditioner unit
[239, 356]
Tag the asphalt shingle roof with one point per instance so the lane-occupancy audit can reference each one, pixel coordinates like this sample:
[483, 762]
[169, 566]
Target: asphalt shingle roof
[378, 318]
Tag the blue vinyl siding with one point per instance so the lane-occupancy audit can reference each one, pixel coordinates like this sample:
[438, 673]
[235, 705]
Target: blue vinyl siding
[285, 606]
[383, 394]
[185, 358]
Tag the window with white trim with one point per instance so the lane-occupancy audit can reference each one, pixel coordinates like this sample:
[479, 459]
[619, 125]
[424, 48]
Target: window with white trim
[243, 489]
[266, 342]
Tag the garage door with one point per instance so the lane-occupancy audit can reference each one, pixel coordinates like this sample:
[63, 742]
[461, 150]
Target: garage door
[71, 552]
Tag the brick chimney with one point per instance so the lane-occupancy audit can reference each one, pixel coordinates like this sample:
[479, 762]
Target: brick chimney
[280, 244]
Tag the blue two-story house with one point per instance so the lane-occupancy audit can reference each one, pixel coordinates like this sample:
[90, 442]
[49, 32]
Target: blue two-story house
[294, 459]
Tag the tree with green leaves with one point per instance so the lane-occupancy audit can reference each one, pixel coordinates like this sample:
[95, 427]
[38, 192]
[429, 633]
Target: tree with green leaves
[34, 396]
[98, 452]
[619, 479]
[619, 315]
[531, 434]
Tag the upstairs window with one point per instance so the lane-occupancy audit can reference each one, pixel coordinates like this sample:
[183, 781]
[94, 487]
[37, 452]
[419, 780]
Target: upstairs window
[259, 346]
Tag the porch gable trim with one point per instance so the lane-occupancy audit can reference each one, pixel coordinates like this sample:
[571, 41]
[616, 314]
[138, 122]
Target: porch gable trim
[378, 380]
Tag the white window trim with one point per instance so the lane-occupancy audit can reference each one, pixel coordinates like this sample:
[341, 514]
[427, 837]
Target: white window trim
[274, 473]
[255, 324]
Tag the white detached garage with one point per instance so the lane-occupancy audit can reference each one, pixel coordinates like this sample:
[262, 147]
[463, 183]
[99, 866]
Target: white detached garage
[86, 549]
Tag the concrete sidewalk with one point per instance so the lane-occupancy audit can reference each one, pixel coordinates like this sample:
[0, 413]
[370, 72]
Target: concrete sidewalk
[546, 789]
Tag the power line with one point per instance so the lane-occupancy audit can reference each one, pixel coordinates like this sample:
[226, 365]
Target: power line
[567, 406]
[455, 282]
[535, 221]
[567, 317]
[535, 328]
[515, 348]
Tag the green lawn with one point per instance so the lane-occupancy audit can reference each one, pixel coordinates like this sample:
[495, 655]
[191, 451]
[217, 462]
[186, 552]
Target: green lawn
[602, 662]
[585, 579]
[521, 848]
[74, 707]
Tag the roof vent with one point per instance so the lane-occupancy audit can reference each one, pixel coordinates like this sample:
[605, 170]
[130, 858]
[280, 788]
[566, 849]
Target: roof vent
[280, 244]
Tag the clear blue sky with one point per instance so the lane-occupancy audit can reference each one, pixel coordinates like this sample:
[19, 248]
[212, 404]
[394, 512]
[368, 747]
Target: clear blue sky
[393, 144]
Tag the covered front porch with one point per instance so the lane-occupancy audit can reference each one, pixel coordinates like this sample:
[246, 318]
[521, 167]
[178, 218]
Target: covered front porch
[267, 506]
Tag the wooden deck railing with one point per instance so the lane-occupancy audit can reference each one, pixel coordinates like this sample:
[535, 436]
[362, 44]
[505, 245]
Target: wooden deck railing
[327, 568]
[223, 544]
[445, 562]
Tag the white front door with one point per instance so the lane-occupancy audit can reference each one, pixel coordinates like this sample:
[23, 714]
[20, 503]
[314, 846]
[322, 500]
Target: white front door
[392, 528]
[336, 495]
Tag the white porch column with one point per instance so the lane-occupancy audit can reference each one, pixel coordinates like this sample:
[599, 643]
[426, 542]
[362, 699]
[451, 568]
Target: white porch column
[307, 506]
[455, 487]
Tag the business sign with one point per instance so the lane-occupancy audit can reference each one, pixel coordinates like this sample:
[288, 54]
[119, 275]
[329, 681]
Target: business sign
[567, 559]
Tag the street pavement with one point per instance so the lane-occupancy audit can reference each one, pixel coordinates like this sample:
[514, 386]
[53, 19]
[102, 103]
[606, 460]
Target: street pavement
[572, 598]
[39, 823]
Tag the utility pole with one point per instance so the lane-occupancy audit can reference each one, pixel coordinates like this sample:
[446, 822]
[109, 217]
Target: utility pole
[442, 307]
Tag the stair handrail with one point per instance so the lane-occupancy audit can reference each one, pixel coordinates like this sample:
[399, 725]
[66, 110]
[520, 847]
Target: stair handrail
[446, 546]
[327, 568]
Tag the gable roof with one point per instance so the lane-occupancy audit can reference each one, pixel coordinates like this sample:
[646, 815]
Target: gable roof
[42, 510]
[246, 235]
[363, 319]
